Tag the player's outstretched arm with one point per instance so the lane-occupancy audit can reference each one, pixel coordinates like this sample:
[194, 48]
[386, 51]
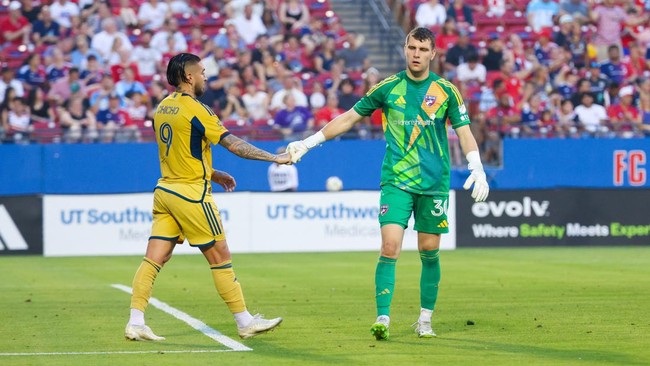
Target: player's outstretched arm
[335, 127]
[245, 150]
[477, 174]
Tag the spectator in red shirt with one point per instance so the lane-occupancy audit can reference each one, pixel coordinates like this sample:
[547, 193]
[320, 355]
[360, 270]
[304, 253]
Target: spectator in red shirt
[512, 80]
[624, 115]
[16, 29]
[117, 70]
[447, 37]
[636, 61]
[504, 118]
[328, 112]
[377, 124]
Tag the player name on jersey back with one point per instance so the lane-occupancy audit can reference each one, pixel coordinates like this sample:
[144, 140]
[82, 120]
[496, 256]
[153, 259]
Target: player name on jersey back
[165, 109]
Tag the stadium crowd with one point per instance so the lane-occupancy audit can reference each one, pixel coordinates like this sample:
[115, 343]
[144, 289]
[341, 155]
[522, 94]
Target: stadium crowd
[544, 68]
[89, 71]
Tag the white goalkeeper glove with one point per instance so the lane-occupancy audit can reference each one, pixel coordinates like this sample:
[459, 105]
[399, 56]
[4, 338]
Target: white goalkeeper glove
[476, 177]
[299, 148]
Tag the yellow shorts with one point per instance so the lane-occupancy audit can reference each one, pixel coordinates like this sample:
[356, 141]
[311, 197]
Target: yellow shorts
[176, 218]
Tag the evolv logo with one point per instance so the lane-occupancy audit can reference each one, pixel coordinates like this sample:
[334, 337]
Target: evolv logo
[527, 207]
[10, 236]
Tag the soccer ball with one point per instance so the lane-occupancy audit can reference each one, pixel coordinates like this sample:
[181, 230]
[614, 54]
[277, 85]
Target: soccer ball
[334, 184]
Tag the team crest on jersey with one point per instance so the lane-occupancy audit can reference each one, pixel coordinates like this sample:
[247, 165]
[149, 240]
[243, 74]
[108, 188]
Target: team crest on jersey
[383, 209]
[429, 100]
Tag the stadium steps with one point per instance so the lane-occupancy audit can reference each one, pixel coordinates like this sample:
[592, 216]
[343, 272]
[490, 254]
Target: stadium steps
[358, 16]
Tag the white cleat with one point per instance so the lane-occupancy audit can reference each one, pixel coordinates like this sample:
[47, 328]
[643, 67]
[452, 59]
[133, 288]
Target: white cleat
[258, 326]
[140, 333]
[423, 329]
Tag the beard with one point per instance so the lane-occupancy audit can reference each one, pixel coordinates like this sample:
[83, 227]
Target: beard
[199, 90]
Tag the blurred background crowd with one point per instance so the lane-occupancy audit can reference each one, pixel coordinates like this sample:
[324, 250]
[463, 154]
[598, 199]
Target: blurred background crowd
[93, 71]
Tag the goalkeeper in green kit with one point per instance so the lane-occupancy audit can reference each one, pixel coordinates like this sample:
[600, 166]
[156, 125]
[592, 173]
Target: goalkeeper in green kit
[416, 105]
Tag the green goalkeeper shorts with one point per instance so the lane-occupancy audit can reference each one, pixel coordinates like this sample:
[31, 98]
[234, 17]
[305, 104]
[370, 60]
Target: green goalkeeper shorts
[396, 206]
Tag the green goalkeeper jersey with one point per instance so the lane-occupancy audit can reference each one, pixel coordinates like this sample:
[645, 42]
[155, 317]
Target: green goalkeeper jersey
[414, 118]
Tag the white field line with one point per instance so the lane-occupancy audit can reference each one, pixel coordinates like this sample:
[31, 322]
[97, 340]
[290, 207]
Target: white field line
[192, 322]
[113, 352]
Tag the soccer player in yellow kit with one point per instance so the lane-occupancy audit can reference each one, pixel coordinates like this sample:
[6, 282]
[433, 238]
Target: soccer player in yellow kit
[183, 205]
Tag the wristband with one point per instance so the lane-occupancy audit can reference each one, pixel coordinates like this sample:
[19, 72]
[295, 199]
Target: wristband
[474, 159]
[314, 140]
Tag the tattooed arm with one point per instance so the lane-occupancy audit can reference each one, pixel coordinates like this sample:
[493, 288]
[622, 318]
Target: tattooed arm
[245, 150]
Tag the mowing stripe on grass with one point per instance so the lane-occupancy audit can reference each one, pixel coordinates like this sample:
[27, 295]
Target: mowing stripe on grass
[192, 322]
[114, 352]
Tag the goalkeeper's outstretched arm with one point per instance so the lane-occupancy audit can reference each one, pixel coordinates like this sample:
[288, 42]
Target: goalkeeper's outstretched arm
[341, 124]
[335, 127]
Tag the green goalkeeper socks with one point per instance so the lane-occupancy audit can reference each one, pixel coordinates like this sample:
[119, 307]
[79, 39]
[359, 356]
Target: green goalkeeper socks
[384, 284]
[430, 278]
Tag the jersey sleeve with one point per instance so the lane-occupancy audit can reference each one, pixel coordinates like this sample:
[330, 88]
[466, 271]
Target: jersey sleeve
[456, 110]
[207, 122]
[374, 98]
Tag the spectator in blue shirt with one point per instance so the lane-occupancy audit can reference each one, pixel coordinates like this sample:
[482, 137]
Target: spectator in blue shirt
[540, 13]
[79, 57]
[614, 68]
[32, 72]
[45, 30]
[128, 85]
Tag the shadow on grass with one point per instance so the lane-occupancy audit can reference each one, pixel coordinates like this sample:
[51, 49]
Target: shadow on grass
[566, 355]
[272, 353]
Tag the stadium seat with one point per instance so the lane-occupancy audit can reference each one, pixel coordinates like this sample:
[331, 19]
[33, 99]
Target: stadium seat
[46, 132]
[482, 19]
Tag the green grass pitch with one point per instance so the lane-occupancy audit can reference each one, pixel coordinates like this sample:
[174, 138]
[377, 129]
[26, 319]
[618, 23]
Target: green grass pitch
[545, 306]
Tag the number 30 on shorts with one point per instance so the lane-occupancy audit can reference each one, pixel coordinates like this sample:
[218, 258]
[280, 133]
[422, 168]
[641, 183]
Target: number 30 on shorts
[440, 207]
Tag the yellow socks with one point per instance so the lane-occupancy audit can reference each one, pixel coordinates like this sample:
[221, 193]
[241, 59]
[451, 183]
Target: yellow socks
[222, 273]
[228, 287]
[143, 283]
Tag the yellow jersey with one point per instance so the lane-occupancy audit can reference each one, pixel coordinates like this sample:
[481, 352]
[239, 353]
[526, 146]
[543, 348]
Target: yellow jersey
[185, 128]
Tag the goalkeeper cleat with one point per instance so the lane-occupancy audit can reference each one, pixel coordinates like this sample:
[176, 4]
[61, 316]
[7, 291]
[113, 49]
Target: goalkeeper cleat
[423, 329]
[140, 333]
[258, 326]
[380, 329]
